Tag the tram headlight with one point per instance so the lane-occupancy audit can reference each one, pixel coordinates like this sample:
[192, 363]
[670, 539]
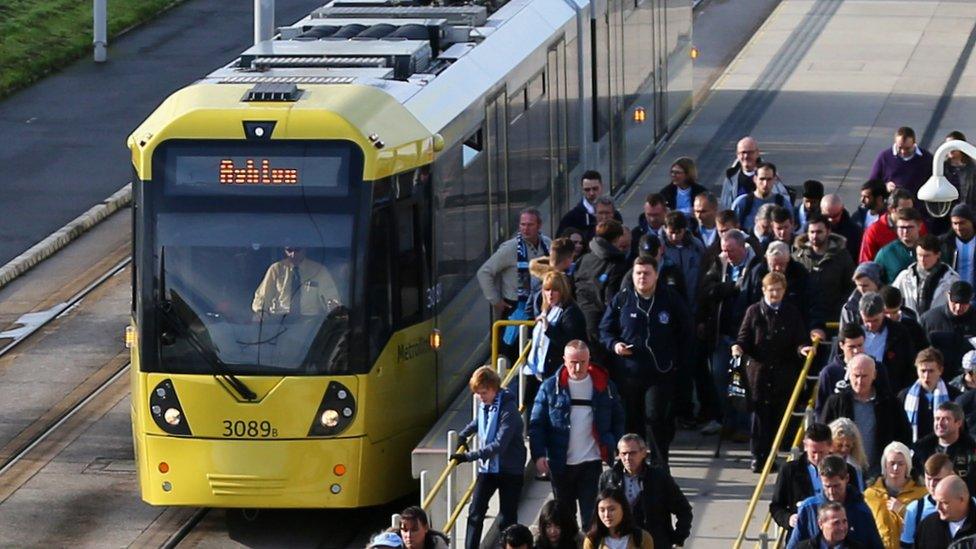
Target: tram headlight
[330, 418]
[166, 411]
[335, 413]
[172, 416]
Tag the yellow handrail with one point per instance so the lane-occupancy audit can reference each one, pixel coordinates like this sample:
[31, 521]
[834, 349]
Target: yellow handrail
[451, 465]
[797, 439]
[780, 433]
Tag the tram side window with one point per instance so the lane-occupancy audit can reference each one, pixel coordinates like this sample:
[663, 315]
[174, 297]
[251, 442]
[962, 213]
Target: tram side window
[409, 265]
[380, 310]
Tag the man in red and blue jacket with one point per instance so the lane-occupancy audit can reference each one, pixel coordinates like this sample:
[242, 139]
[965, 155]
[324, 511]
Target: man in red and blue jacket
[576, 421]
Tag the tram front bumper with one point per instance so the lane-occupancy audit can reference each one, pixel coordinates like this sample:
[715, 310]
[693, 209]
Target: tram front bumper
[308, 473]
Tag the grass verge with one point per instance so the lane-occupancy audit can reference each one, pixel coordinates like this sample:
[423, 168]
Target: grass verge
[41, 36]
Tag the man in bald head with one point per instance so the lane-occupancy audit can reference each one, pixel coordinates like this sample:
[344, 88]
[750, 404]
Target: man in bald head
[832, 207]
[738, 178]
[955, 517]
[878, 415]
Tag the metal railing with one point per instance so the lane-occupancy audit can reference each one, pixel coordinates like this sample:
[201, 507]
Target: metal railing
[801, 382]
[447, 477]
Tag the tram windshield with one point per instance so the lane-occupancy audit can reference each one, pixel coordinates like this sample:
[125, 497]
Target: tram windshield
[253, 285]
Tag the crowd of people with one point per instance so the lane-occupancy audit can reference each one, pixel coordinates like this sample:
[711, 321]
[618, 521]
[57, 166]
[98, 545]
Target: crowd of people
[710, 297]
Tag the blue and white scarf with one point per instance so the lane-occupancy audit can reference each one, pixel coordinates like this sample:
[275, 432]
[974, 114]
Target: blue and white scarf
[487, 430]
[535, 363]
[912, 401]
[522, 264]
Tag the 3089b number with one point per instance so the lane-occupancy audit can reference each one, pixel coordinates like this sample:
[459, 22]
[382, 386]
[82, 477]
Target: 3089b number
[251, 429]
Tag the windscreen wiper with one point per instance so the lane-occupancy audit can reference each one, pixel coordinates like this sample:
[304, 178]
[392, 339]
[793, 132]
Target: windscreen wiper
[165, 307]
[218, 367]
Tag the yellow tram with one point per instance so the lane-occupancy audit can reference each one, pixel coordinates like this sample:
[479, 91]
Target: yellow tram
[308, 221]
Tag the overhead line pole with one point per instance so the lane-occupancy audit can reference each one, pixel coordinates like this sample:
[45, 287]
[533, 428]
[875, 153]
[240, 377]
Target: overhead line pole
[264, 12]
[100, 30]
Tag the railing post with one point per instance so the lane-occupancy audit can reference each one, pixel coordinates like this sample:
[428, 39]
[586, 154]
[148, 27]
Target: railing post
[452, 440]
[763, 541]
[395, 522]
[523, 332]
[423, 485]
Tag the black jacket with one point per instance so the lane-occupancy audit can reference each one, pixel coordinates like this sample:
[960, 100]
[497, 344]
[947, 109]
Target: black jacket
[659, 502]
[814, 543]
[722, 303]
[801, 290]
[899, 356]
[949, 251]
[793, 486]
[670, 194]
[925, 413]
[961, 452]
[909, 320]
[968, 402]
[571, 325]
[580, 218]
[933, 532]
[597, 279]
[849, 230]
[772, 338]
[940, 319]
[890, 422]
[661, 336]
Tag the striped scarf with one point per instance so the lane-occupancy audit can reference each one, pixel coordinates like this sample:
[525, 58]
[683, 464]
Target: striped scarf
[912, 402]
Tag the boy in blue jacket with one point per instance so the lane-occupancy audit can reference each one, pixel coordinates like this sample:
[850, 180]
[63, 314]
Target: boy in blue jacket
[500, 457]
[833, 478]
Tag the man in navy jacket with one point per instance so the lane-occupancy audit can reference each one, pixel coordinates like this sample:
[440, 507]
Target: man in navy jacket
[648, 329]
[576, 420]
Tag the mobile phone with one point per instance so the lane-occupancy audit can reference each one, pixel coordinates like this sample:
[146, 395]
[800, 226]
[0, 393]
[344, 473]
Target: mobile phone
[631, 346]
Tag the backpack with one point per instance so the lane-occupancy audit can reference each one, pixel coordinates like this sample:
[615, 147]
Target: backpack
[751, 200]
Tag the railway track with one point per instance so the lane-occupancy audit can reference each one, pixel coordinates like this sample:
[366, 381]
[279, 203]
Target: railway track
[35, 445]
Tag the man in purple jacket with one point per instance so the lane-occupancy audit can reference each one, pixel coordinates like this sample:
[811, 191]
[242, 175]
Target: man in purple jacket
[905, 165]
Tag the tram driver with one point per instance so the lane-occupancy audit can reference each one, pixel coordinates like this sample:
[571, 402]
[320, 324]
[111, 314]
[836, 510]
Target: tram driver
[296, 285]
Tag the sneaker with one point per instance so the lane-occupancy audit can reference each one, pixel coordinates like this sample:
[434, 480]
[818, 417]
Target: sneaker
[711, 428]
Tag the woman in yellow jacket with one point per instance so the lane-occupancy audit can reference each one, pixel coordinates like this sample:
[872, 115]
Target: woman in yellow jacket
[613, 525]
[892, 492]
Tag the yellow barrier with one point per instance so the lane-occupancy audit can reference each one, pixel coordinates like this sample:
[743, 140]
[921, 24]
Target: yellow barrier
[780, 433]
[451, 465]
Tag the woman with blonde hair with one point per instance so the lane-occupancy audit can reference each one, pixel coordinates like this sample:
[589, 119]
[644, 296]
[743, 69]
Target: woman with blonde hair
[889, 496]
[848, 444]
[559, 322]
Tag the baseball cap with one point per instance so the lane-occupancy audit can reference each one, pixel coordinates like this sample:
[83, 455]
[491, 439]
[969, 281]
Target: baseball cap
[649, 245]
[385, 539]
[969, 361]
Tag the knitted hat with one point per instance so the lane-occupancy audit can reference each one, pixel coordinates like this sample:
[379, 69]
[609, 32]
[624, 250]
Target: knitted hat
[963, 211]
[869, 269]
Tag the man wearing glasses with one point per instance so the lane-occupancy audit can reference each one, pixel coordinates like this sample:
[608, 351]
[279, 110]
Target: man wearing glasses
[900, 253]
[739, 177]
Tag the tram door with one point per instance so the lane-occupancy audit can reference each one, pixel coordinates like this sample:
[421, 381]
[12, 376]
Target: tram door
[556, 90]
[496, 145]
